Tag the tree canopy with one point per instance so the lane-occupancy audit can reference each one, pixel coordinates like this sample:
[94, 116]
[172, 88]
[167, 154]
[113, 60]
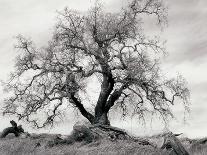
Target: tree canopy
[110, 46]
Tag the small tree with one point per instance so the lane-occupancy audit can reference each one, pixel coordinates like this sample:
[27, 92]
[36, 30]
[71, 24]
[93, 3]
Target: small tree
[109, 46]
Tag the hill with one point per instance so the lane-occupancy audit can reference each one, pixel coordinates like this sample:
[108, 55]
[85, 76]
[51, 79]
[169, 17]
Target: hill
[48, 144]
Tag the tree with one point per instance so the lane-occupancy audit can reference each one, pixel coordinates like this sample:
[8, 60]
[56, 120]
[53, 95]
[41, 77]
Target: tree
[109, 46]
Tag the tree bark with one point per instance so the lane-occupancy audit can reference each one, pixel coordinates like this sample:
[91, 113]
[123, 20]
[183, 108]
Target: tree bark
[102, 119]
[106, 88]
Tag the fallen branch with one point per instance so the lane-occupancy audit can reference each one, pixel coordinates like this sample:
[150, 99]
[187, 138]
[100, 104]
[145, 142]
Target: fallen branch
[16, 130]
[173, 145]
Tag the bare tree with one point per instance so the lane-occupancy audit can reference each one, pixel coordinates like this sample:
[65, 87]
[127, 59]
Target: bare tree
[110, 46]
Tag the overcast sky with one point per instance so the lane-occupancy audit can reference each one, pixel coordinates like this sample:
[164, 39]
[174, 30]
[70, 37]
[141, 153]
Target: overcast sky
[186, 45]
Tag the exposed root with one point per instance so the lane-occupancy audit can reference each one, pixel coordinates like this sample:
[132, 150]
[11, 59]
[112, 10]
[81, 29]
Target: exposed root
[93, 133]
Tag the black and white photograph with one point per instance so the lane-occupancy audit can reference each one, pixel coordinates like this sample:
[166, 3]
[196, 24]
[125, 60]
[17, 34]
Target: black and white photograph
[103, 77]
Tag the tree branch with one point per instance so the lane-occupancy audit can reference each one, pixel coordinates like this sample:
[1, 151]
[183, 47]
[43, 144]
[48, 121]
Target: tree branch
[81, 108]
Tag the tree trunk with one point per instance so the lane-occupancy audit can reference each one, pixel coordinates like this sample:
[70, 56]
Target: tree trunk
[102, 119]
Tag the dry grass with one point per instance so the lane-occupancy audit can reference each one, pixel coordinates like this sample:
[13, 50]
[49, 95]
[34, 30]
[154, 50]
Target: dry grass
[197, 147]
[38, 145]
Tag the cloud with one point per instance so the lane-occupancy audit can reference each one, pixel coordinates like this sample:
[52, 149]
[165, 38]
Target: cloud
[186, 33]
